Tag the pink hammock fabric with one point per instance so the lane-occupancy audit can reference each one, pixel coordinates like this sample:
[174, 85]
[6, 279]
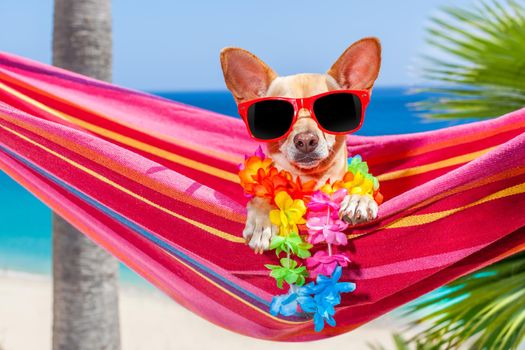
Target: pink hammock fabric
[154, 182]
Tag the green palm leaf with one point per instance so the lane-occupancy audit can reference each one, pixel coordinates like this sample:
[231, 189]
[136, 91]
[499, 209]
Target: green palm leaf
[482, 72]
[481, 75]
[485, 310]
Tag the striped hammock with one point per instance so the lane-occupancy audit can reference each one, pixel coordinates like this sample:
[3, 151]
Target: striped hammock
[154, 182]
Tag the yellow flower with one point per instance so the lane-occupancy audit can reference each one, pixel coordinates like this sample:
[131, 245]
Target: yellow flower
[289, 215]
[357, 184]
[329, 189]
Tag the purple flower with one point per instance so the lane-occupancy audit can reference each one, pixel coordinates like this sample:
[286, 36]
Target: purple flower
[258, 153]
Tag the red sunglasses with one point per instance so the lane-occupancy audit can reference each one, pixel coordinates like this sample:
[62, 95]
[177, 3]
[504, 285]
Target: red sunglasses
[335, 112]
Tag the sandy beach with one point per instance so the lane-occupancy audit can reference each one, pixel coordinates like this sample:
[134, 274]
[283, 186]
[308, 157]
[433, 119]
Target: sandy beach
[149, 320]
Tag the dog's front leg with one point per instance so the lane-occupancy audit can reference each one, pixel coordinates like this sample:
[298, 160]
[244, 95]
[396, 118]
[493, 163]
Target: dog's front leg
[356, 209]
[259, 230]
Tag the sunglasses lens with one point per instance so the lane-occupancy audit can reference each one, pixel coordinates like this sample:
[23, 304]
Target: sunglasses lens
[338, 112]
[270, 119]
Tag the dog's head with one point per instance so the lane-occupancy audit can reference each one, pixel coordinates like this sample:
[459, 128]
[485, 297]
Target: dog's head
[307, 148]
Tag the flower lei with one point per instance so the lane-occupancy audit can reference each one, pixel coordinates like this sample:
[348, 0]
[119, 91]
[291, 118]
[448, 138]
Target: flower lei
[298, 204]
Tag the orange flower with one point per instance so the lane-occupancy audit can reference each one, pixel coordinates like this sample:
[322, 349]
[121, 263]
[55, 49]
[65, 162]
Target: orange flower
[252, 165]
[331, 188]
[355, 184]
[378, 197]
[299, 190]
[268, 184]
[348, 177]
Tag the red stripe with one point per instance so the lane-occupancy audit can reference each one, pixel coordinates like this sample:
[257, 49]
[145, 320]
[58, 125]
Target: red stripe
[444, 153]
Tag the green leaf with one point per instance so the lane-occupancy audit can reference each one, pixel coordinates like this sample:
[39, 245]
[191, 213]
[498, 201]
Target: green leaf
[481, 69]
[294, 239]
[291, 278]
[300, 280]
[276, 241]
[479, 72]
[300, 269]
[288, 263]
[278, 251]
[303, 253]
[485, 309]
[292, 244]
[279, 273]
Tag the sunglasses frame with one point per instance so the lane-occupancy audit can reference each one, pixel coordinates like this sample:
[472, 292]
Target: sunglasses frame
[307, 103]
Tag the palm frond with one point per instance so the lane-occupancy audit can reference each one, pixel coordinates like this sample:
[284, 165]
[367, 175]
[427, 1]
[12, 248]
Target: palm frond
[485, 310]
[482, 68]
[479, 74]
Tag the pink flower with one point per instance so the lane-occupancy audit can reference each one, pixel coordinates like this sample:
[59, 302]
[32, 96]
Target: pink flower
[326, 229]
[258, 153]
[323, 264]
[321, 202]
[334, 214]
[339, 195]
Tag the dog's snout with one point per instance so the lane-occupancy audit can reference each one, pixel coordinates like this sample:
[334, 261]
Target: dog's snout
[306, 141]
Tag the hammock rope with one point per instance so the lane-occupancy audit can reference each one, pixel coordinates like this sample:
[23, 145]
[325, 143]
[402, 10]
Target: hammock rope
[155, 183]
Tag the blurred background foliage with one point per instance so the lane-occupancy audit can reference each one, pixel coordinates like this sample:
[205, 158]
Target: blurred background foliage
[482, 76]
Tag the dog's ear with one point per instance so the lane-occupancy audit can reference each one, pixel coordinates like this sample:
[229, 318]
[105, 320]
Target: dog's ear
[358, 67]
[246, 76]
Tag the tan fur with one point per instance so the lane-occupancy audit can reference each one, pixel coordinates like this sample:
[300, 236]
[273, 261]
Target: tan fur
[247, 77]
[306, 85]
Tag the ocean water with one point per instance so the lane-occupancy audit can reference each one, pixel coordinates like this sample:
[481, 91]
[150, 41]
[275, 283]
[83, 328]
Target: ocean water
[25, 223]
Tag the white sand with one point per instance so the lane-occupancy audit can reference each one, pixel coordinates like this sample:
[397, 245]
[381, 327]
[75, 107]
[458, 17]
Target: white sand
[149, 320]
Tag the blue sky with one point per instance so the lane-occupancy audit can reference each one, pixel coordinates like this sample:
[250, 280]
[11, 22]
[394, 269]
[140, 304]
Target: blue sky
[174, 45]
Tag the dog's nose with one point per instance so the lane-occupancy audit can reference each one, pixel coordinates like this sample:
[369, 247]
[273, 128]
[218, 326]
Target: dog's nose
[306, 141]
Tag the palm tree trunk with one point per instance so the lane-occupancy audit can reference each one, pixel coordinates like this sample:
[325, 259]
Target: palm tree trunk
[85, 285]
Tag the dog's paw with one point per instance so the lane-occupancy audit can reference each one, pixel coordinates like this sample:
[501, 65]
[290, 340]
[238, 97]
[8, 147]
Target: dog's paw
[356, 209]
[259, 230]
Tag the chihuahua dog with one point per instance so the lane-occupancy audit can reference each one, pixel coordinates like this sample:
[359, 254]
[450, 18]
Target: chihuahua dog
[307, 151]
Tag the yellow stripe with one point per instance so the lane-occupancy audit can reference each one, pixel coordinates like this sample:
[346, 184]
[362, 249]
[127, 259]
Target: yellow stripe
[178, 216]
[468, 186]
[216, 232]
[226, 175]
[193, 222]
[507, 174]
[421, 219]
[224, 156]
[234, 295]
[433, 166]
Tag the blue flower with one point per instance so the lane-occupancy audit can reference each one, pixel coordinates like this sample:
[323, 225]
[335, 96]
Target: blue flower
[331, 288]
[322, 297]
[318, 299]
[284, 304]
